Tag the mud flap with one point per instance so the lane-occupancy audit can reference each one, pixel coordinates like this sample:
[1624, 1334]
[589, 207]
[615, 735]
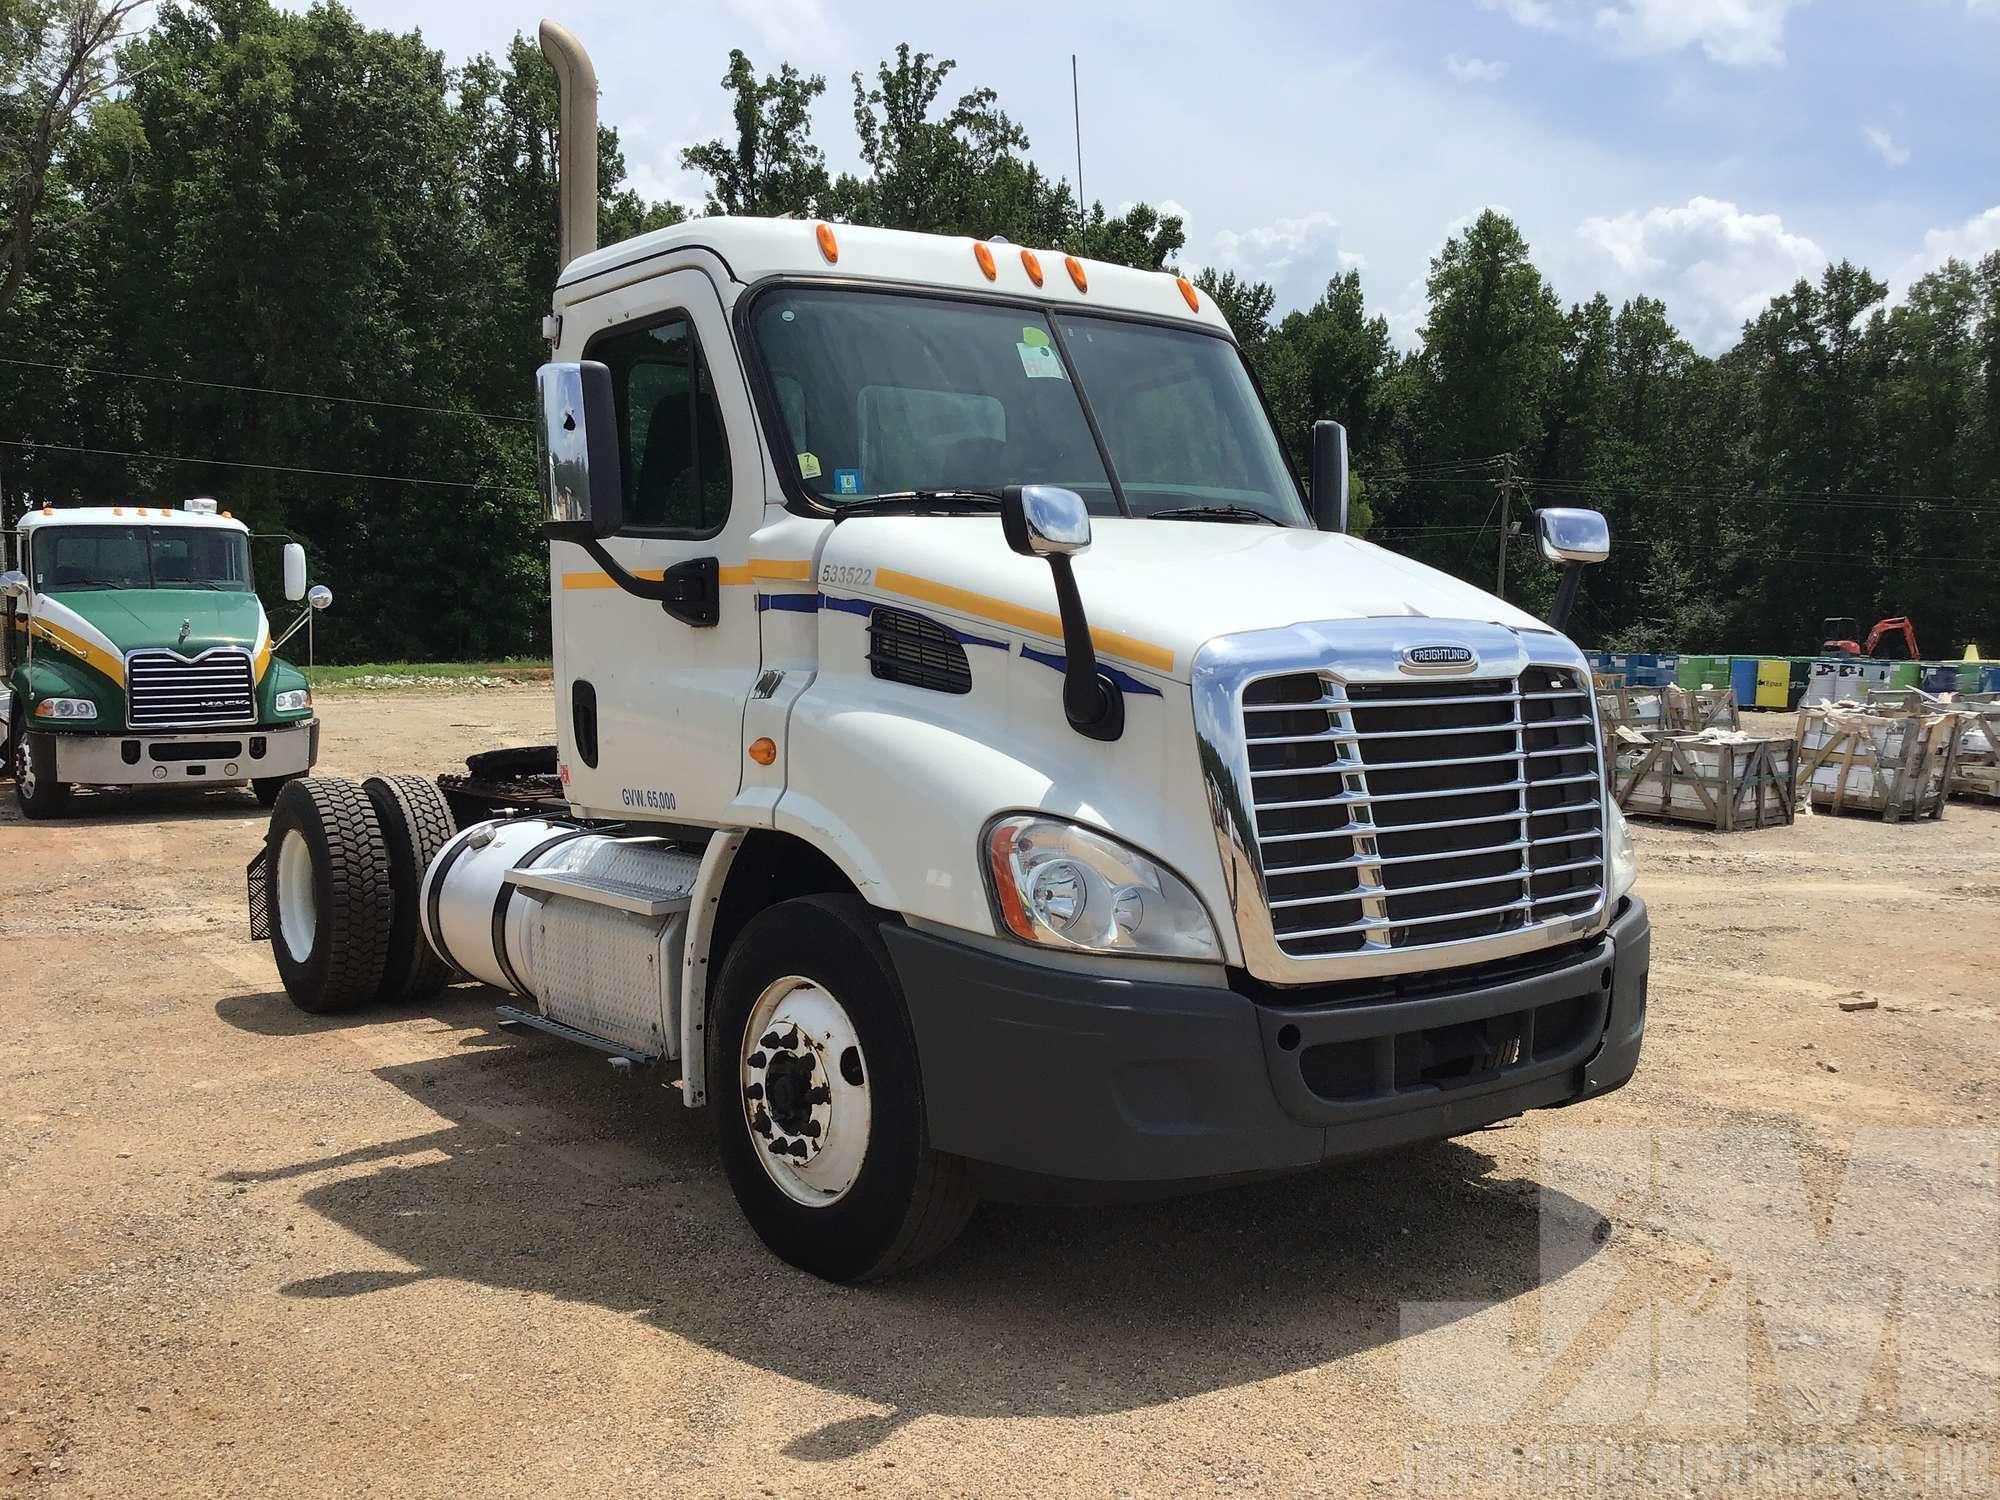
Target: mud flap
[255, 874]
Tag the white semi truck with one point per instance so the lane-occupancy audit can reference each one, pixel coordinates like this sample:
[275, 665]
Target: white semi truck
[979, 769]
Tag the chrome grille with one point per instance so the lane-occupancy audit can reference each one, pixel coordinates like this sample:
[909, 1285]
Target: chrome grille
[1417, 814]
[167, 691]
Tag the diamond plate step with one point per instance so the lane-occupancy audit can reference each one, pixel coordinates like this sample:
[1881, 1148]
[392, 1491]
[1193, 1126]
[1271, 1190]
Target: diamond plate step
[601, 890]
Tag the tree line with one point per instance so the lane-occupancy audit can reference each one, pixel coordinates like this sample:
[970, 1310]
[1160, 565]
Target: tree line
[300, 264]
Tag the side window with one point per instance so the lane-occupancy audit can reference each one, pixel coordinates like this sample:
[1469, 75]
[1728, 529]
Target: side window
[674, 454]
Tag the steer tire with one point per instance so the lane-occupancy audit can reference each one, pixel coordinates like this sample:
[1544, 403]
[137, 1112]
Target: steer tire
[908, 1201]
[36, 789]
[331, 919]
[416, 823]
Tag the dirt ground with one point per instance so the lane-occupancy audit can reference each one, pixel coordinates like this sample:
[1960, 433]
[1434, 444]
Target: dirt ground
[248, 1251]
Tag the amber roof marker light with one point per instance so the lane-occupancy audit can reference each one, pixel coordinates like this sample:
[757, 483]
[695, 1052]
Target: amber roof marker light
[1188, 294]
[828, 245]
[985, 258]
[1032, 264]
[1075, 269]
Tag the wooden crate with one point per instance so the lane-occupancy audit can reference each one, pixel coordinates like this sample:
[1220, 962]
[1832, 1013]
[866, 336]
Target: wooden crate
[1640, 709]
[1976, 773]
[1894, 762]
[1727, 784]
[1691, 710]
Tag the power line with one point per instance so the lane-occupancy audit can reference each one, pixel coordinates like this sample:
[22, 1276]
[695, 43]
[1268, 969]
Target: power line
[1831, 500]
[230, 463]
[255, 390]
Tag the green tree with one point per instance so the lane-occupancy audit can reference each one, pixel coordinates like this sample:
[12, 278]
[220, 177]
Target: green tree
[772, 167]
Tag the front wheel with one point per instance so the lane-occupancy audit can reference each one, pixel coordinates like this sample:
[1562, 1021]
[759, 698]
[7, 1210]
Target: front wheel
[35, 784]
[818, 1099]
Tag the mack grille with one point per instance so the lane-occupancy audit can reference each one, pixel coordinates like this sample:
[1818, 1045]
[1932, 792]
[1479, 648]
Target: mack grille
[1394, 814]
[166, 692]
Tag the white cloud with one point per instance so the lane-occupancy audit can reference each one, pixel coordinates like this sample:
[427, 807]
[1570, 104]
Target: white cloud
[1475, 69]
[1712, 264]
[1885, 145]
[1971, 242]
[1536, 13]
[1737, 33]
[792, 30]
[1270, 250]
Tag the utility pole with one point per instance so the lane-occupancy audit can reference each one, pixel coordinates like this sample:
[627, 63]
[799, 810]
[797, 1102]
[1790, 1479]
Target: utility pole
[1506, 520]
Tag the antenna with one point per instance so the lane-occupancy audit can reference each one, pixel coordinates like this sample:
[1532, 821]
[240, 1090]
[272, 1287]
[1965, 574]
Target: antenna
[1076, 111]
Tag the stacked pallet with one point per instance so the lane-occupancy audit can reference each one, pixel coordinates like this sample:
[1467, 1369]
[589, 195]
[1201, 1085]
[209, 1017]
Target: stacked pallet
[1693, 710]
[1976, 773]
[1896, 762]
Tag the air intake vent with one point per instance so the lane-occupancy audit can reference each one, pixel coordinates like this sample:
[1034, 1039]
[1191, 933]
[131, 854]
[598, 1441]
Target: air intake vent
[903, 647]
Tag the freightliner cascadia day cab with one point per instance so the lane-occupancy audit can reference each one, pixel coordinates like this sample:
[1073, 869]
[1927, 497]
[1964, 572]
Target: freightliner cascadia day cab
[978, 773]
[138, 654]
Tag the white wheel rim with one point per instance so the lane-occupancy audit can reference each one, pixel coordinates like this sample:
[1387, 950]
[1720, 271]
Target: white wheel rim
[805, 1089]
[24, 768]
[298, 913]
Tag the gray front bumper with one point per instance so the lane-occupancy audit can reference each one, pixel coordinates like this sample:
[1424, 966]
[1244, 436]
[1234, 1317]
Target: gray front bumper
[195, 757]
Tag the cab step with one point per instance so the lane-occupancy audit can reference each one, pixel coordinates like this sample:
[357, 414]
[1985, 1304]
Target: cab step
[513, 1017]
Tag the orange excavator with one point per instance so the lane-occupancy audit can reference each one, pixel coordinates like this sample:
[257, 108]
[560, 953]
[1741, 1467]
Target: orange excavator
[1839, 634]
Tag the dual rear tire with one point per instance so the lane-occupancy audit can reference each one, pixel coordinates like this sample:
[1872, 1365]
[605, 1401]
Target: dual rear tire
[342, 867]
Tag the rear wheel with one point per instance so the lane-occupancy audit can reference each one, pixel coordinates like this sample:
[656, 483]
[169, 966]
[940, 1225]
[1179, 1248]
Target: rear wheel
[824, 1140]
[35, 786]
[416, 823]
[329, 894]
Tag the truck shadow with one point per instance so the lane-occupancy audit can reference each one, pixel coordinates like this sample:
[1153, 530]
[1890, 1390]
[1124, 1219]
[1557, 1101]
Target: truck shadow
[551, 1175]
[116, 808]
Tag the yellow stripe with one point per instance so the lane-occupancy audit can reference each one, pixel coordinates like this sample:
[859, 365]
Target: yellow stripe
[758, 568]
[1002, 612]
[106, 663]
[262, 664]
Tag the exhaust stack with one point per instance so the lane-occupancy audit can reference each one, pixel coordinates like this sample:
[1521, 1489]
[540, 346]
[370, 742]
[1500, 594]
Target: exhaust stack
[576, 170]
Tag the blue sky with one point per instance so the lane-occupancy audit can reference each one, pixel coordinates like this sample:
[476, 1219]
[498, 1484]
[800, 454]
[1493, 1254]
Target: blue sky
[1707, 152]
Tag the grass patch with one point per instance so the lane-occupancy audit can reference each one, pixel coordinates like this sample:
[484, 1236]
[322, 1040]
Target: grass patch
[369, 677]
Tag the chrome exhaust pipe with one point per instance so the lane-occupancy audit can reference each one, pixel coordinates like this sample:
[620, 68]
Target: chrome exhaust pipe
[576, 168]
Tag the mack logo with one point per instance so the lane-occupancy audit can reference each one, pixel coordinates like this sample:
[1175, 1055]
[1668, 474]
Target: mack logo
[1438, 658]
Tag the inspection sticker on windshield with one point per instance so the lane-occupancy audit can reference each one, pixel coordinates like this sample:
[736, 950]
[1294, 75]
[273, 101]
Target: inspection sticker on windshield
[1039, 361]
[809, 466]
[847, 481]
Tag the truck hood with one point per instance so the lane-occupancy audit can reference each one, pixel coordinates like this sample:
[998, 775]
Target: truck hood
[1155, 591]
[131, 618]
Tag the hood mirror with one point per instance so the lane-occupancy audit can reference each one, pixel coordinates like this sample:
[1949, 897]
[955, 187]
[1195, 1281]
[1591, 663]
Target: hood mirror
[1046, 521]
[1329, 476]
[1575, 539]
[319, 596]
[1573, 536]
[14, 584]
[1040, 520]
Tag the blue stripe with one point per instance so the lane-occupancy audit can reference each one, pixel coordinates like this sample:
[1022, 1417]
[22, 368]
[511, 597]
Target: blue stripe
[801, 604]
[1060, 661]
[868, 607]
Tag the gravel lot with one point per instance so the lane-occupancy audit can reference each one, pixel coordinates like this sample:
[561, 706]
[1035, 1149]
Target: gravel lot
[248, 1251]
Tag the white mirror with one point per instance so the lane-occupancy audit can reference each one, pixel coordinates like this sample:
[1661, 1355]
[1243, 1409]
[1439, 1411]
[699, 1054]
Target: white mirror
[14, 585]
[1573, 536]
[295, 572]
[319, 597]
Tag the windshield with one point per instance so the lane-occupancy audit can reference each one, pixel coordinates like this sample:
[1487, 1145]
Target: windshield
[140, 557]
[881, 393]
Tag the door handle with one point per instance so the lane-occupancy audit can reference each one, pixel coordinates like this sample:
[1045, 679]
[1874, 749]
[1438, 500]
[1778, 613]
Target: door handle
[692, 591]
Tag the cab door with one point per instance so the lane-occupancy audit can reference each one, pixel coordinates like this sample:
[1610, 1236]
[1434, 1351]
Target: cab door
[650, 696]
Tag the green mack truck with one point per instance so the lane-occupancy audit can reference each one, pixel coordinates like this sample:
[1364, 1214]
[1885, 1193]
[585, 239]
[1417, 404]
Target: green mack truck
[136, 653]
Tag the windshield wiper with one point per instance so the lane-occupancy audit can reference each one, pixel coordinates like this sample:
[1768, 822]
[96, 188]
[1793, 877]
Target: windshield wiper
[90, 583]
[920, 502]
[1241, 514]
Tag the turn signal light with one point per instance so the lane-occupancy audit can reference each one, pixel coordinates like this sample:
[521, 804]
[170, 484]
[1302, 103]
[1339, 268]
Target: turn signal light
[764, 750]
[985, 258]
[828, 246]
[1075, 268]
[1031, 263]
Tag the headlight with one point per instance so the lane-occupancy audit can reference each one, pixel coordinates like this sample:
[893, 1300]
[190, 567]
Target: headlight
[294, 701]
[65, 708]
[1624, 859]
[1069, 887]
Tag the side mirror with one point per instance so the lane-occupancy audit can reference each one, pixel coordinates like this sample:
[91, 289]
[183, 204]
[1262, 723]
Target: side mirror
[1573, 536]
[319, 596]
[295, 572]
[1329, 476]
[576, 451]
[1040, 520]
[14, 584]
[1576, 539]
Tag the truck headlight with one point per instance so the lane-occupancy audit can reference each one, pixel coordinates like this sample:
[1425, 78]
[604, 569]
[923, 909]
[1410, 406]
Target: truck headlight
[1066, 886]
[1623, 859]
[294, 701]
[66, 708]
